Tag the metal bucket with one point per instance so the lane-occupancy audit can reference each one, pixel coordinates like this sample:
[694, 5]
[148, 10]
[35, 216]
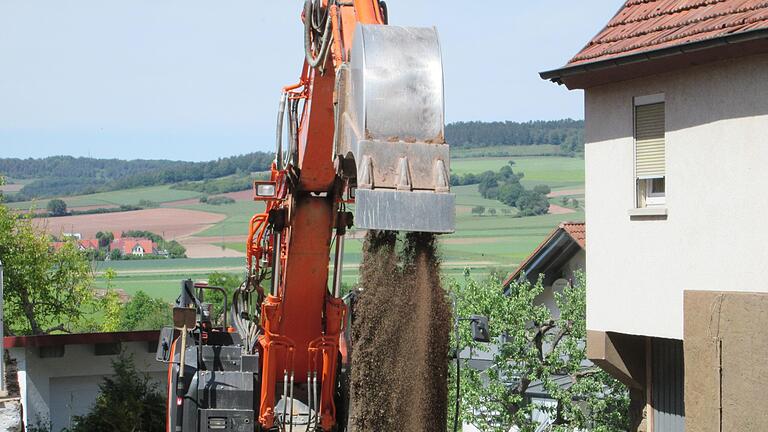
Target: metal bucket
[391, 130]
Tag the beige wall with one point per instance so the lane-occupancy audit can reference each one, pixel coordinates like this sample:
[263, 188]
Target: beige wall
[714, 237]
[56, 388]
[726, 373]
[547, 297]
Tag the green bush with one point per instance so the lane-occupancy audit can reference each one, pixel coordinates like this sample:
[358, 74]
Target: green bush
[129, 401]
[220, 200]
[57, 207]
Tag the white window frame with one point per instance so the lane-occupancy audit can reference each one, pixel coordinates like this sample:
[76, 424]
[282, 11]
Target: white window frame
[654, 198]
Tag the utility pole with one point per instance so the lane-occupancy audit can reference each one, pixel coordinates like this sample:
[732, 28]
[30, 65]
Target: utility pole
[3, 391]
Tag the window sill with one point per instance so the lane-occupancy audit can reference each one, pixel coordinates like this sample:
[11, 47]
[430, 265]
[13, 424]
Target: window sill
[648, 212]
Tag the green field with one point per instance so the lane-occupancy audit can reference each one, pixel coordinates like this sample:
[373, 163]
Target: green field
[556, 171]
[159, 194]
[161, 278]
[238, 214]
[506, 151]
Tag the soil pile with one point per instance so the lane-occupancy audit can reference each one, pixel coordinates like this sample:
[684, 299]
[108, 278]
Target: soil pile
[400, 335]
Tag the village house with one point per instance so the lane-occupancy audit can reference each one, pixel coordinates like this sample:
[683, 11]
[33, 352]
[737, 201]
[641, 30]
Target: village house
[59, 375]
[676, 144]
[82, 245]
[134, 246]
[556, 260]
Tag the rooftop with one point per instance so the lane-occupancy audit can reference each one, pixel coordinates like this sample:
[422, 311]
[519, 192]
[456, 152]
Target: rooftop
[561, 244]
[649, 36]
[645, 25]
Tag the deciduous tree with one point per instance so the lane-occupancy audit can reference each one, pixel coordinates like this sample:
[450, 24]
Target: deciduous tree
[45, 288]
[535, 346]
[57, 207]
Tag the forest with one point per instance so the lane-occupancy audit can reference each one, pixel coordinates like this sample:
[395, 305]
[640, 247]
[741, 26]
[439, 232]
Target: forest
[566, 133]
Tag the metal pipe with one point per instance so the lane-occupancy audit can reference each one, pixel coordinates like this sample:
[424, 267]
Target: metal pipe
[3, 391]
[285, 392]
[337, 265]
[317, 400]
[309, 400]
[183, 354]
[279, 132]
[458, 365]
[276, 245]
[291, 391]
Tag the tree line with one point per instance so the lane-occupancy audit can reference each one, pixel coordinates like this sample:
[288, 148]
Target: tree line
[504, 186]
[67, 175]
[566, 133]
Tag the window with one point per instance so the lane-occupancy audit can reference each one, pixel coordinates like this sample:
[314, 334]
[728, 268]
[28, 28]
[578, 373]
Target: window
[650, 151]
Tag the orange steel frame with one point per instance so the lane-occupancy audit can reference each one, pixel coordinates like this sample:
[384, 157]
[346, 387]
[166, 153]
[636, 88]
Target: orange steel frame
[303, 322]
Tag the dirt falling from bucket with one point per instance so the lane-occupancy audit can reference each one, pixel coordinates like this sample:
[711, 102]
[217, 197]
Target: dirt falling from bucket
[400, 333]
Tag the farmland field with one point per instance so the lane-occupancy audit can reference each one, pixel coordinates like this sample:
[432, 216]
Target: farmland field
[492, 242]
[237, 217]
[506, 151]
[158, 194]
[169, 222]
[556, 171]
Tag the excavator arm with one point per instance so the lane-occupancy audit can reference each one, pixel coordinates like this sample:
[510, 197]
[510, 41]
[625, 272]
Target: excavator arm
[359, 139]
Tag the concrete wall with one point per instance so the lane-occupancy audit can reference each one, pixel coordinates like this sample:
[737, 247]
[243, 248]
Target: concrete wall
[726, 373]
[714, 235]
[56, 388]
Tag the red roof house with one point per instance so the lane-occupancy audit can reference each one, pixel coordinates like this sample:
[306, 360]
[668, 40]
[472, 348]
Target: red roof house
[134, 246]
[552, 256]
[649, 36]
[83, 245]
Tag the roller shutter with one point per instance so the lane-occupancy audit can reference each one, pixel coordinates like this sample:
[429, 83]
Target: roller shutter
[649, 141]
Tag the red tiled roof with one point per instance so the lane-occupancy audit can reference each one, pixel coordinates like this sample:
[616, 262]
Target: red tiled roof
[85, 244]
[647, 25]
[127, 244]
[80, 338]
[576, 230]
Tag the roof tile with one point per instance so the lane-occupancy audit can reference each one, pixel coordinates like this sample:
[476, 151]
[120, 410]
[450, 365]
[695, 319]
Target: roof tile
[647, 25]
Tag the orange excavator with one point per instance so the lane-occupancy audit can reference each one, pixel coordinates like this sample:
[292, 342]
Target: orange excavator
[359, 142]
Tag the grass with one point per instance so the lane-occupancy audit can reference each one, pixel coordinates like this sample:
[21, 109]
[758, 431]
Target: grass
[506, 151]
[556, 171]
[162, 278]
[238, 215]
[165, 265]
[159, 194]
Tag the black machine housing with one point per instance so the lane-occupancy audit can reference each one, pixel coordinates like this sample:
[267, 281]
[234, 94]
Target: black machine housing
[217, 389]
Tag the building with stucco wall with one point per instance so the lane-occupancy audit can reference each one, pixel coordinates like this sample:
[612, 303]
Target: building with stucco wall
[59, 375]
[676, 147]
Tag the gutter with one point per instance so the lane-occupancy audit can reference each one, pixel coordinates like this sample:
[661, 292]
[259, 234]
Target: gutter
[557, 75]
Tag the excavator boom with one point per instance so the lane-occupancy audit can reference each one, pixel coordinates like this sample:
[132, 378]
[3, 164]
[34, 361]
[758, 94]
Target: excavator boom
[360, 140]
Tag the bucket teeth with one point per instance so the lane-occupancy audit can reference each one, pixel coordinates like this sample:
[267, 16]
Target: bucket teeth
[365, 179]
[441, 177]
[403, 175]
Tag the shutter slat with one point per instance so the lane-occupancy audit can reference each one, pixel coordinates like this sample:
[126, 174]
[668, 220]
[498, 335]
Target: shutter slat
[650, 145]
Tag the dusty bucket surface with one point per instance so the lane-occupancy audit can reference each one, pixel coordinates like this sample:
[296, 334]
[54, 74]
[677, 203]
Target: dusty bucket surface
[391, 131]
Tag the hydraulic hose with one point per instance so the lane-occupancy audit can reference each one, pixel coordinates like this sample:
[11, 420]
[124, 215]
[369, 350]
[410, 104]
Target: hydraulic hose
[279, 132]
[325, 38]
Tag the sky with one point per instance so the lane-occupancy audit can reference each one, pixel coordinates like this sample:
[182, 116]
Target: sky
[200, 79]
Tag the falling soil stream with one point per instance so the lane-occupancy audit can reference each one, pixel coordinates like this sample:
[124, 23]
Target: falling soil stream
[400, 331]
